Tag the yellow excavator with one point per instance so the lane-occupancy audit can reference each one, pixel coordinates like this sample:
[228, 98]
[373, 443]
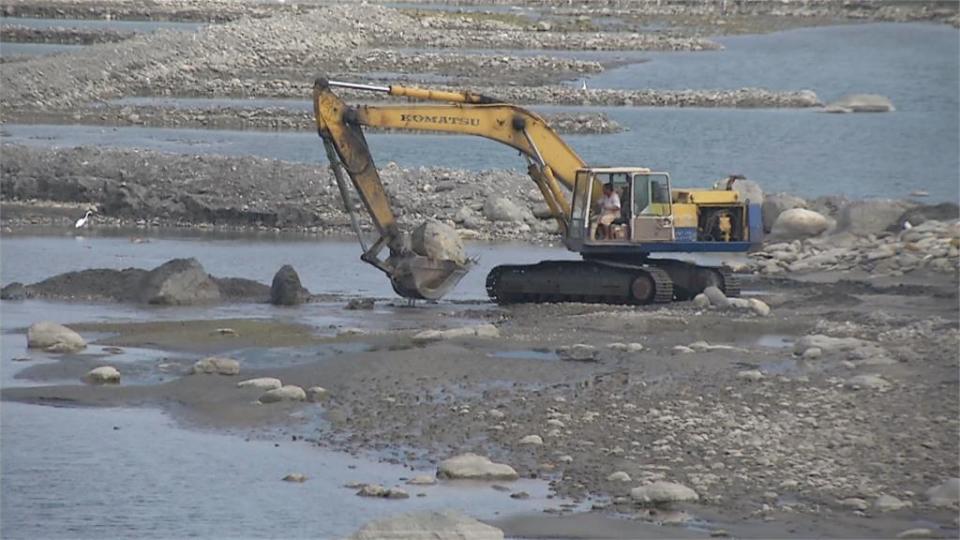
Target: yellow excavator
[617, 266]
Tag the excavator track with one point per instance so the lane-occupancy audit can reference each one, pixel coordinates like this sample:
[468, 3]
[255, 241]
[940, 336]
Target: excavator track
[731, 283]
[579, 281]
[606, 282]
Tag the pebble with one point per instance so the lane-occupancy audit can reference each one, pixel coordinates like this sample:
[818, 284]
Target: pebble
[295, 477]
[619, 476]
[532, 440]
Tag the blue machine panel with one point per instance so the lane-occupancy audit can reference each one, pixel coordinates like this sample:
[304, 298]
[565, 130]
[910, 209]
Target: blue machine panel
[685, 234]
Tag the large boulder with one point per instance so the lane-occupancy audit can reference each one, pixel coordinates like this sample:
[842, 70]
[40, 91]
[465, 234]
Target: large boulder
[285, 290]
[13, 291]
[438, 241]
[216, 365]
[53, 337]
[661, 492]
[179, 282]
[871, 216]
[102, 375]
[480, 330]
[776, 204]
[499, 208]
[799, 223]
[860, 103]
[474, 467]
[428, 525]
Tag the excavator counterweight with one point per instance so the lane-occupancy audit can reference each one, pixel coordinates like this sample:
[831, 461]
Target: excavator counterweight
[615, 217]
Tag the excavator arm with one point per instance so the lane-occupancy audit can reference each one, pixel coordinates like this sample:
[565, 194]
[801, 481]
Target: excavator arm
[551, 164]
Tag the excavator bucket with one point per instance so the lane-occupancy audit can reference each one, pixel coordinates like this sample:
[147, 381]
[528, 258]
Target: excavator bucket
[415, 276]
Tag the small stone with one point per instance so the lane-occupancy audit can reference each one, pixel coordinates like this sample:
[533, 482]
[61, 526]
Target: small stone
[716, 297]
[682, 349]
[701, 301]
[565, 459]
[918, 533]
[532, 440]
[284, 393]
[226, 332]
[360, 303]
[372, 490]
[316, 394]
[752, 375]
[216, 365]
[295, 477]
[854, 503]
[102, 375]
[663, 492]
[812, 353]
[397, 493]
[619, 476]
[482, 330]
[759, 307]
[520, 495]
[869, 382]
[889, 503]
[262, 383]
[578, 353]
[474, 467]
[496, 413]
[422, 480]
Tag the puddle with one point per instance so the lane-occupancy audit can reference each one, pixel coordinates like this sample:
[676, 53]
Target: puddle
[775, 341]
[281, 357]
[526, 354]
[781, 367]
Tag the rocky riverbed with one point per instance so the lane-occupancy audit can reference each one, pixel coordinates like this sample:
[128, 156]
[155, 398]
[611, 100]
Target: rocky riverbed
[270, 119]
[663, 414]
[280, 55]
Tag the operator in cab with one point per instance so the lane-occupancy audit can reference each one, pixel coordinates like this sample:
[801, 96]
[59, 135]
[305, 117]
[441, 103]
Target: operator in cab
[609, 211]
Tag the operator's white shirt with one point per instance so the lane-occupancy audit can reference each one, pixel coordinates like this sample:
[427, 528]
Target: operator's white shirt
[610, 203]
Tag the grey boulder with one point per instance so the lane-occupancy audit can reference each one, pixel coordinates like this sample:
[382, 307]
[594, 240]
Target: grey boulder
[438, 241]
[286, 290]
[179, 282]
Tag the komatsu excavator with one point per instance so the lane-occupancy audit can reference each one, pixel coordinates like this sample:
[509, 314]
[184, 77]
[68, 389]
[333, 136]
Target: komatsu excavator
[615, 268]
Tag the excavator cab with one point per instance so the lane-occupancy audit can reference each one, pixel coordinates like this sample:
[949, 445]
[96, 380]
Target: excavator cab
[645, 203]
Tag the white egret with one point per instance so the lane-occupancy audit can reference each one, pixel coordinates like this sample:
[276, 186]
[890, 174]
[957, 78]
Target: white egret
[83, 221]
[583, 84]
